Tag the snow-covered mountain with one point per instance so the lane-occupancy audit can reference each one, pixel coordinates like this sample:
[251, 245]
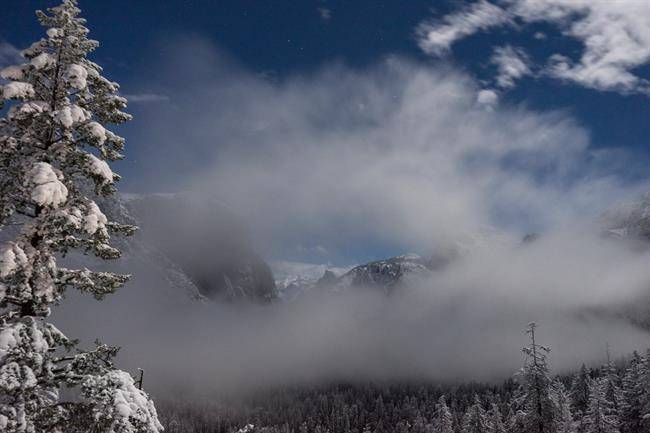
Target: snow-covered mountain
[388, 274]
[294, 279]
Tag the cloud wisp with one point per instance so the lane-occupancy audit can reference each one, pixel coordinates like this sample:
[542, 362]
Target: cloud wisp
[146, 97]
[437, 36]
[512, 63]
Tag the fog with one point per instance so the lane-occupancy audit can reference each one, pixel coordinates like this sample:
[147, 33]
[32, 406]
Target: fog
[463, 323]
[343, 163]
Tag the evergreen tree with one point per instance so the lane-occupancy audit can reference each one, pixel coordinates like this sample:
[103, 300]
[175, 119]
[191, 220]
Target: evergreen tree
[644, 391]
[444, 420]
[52, 144]
[517, 422]
[632, 403]
[566, 423]
[612, 386]
[495, 420]
[475, 419]
[535, 398]
[599, 417]
[580, 389]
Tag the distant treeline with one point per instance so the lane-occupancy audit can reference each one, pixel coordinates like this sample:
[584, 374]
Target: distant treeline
[614, 398]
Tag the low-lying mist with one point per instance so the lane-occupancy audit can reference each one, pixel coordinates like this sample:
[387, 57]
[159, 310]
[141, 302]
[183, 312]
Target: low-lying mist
[463, 323]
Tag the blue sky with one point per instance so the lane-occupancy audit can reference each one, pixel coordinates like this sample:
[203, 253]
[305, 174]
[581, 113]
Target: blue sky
[284, 37]
[280, 43]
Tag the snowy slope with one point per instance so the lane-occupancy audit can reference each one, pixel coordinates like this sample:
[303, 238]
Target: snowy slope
[293, 279]
[198, 246]
[387, 275]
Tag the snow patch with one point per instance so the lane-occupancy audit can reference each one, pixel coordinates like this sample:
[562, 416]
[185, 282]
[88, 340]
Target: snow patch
[9, 338]
[14, 72]
[17, 90]
[54, 32]
[94, 219]
[28, 108]
[12, 257]
[76, 76]
[68, 116]
[42, 61]
[97, 131]
[100, 168]
[48, 190]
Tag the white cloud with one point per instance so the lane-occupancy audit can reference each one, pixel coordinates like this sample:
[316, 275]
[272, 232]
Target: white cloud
[615, 34]
[436, 37]
[146, 97]
[487, 98]
[512, 63]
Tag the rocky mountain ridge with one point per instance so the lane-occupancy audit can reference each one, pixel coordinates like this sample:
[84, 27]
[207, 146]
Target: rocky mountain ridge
[386, 275]
[199, 246]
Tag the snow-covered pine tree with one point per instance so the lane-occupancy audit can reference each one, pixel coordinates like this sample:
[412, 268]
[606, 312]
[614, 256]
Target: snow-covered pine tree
[579, 393]
[444, 419]
[495, 420]
[612, 386]
[535, 398]
[632, 404]
[566, 422]
[644, 386]
[599, 417]
[580, 390]
[517, 422]
[475, 419]
[52, 143]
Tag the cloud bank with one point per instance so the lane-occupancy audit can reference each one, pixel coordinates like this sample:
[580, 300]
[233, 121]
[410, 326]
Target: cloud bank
[399, 155]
